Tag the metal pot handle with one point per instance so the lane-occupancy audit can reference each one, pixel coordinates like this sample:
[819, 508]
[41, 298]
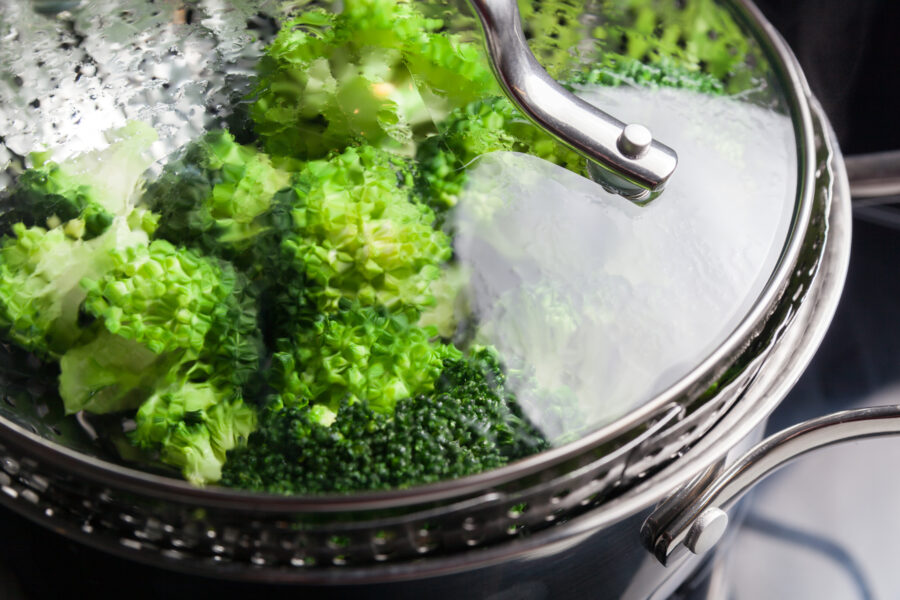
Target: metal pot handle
[625, 159]
[695, 517]
[873, 176]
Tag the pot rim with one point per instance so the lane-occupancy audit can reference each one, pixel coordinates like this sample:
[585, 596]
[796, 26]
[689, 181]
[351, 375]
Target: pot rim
[796, 93]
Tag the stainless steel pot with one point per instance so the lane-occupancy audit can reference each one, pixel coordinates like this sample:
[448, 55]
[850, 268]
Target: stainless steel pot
[576, 512]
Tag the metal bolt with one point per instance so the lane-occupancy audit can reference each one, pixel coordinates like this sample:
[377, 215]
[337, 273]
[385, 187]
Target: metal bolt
[707, 530]
[634, 141]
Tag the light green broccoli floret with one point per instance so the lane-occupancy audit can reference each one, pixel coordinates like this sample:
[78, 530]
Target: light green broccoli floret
[191, 312]
[40, 272]
[357, 234]
[358, 354]
[192, 426]
[86, 191]
[377, 73]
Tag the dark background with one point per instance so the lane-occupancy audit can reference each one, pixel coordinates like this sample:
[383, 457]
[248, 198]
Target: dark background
[851, 55]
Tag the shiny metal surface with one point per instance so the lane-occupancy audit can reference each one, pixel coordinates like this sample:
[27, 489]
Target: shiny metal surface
[873, 176]
[696, 517]
[470, 523]
[743, 352]
[637, 170]
[706, 530]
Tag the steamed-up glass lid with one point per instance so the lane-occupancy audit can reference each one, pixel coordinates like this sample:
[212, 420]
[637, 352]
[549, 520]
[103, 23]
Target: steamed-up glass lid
[303, 247]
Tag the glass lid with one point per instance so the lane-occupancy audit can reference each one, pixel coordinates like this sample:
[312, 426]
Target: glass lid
[300, 247]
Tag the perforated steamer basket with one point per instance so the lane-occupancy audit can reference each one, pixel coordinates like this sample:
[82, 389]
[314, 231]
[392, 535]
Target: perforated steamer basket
[596, 490]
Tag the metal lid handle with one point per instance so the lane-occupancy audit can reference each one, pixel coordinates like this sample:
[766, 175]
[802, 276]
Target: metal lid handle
[625, 159]
[695, 517]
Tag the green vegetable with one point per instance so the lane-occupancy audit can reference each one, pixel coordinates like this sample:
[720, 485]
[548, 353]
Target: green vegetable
[215, 197]
[193, 426]
[191, 312]
[357, 354]
[84, 192]
[357, 233]
[483, 126]
[40, 272]
[282, 315]
[468, 424]
[331, 80]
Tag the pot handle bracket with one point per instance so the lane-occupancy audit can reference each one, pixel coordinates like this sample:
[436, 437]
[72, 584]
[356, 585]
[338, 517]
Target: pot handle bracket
[695, 517]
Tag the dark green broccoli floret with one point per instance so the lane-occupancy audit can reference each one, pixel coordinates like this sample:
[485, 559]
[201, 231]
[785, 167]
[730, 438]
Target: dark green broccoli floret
[192, 426]
[358, 354]
[467, 425]
[215, 197]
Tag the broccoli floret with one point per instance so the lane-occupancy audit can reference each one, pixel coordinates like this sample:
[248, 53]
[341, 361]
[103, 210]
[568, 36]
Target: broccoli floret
[694, 35]
[192, 426]
[215, 197]
[193, 313]
[331, 80]
[467, 425]
[495, 124]
[110, 374]
[665, 73]
[483, 126]
[86, 191]
[554, 32]
[357, 354]
[40, 272]
[358, 234]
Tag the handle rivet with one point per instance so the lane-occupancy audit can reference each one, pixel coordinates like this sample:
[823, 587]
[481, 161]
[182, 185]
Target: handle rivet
[634, 141]
[707, 530]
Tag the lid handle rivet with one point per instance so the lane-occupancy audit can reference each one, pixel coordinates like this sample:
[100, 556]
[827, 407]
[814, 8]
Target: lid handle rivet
[634, 141]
